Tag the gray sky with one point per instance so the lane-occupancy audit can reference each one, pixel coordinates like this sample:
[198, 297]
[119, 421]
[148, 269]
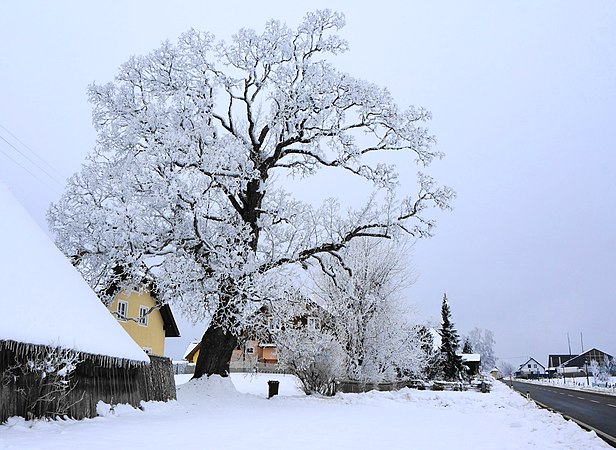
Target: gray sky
[524, 101]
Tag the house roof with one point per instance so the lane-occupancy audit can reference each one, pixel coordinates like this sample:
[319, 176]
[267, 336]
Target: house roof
[192, 348]
[169, 324]
[531, 359]
[44, 300]
[585, 358]
[470, 357]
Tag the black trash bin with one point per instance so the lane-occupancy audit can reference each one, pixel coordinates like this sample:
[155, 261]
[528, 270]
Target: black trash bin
[272, 388]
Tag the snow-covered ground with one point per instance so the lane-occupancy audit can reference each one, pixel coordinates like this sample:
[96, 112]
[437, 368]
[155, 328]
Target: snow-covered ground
[214, 414]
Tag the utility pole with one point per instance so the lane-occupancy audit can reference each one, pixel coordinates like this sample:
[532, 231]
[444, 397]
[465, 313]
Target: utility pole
[565, 367]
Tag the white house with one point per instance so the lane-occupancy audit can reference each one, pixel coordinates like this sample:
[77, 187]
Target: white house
[531, 368]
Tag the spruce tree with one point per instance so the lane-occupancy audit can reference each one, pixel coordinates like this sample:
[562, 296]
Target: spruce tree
[468, 348]
[452, 362]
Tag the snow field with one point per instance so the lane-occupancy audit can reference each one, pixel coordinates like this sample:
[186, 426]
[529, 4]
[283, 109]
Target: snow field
[235, 414]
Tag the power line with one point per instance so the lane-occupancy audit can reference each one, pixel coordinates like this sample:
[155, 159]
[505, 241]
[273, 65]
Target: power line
[54, 179]
[34, 163]
[31, 151]
[17, 162]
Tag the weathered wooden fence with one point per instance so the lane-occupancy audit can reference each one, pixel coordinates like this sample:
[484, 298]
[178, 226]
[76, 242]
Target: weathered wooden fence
[93, 380]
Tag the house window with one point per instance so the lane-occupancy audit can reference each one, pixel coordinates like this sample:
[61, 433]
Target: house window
[122, 310]
[250, 350]
[314, 323]
[143, 315]
[273, 324]
[529, 366]
[535, 366]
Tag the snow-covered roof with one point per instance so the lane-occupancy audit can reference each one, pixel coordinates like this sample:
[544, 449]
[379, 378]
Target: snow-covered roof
[44, 300]
[190, 348]
[470, 357]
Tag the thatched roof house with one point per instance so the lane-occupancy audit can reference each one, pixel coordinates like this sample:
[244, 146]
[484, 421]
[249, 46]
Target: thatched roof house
[46, 305]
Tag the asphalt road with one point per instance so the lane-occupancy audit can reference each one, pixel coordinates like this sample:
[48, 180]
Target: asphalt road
[596, 410]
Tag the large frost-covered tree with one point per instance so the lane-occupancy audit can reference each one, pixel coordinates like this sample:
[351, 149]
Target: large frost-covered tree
[180, 191]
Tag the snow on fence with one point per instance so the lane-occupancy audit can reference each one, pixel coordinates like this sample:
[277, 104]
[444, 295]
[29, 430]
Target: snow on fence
[358, 387]
[30, 385]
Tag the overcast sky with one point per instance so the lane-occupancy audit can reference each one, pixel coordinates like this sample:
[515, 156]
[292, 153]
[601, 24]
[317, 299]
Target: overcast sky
[523, 95]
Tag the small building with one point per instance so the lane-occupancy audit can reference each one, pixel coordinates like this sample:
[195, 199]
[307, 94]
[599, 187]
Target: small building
[145, 320]
[531, 369]
[50, 312]
[256, 348]
[496, 373]
[248, 355]
[472, 361]
[192, 352]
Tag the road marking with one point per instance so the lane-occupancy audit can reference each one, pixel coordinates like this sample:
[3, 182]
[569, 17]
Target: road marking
[595, 401]
[613, 406]
[581, 398]
[569, 395]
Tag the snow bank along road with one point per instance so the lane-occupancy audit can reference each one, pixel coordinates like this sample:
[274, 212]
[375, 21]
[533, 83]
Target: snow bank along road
[216, 414]
[592, 409]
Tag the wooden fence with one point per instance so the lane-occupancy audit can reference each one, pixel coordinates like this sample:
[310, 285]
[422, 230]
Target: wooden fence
[358, 387]
[29, 396]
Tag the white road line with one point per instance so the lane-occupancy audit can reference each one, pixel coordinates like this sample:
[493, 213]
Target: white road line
[581, 398]
[595, 401]
[569, 395]
[613, 406]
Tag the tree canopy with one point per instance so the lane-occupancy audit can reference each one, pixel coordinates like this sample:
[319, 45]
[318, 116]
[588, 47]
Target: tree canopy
[181, 189]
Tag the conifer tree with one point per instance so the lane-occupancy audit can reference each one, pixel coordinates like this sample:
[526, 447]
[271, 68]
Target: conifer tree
[452, 362]
[468, 348]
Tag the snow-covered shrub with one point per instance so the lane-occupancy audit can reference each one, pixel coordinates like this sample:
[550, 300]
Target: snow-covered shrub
[313, 356]
[44, 381]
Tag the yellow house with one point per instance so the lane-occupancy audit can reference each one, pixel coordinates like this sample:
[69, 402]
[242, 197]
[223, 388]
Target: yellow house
[144, 320]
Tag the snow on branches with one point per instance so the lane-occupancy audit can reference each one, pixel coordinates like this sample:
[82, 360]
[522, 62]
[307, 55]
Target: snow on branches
[181, 186]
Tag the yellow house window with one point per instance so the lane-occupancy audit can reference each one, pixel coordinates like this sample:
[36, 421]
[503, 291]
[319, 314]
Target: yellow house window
[122, 310]
[143, 315]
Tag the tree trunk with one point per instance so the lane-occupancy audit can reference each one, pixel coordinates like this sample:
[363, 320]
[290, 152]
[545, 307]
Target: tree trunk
[217, 346]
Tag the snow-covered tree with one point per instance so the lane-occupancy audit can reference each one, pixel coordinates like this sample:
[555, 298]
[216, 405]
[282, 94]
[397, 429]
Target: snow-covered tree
[467, 348]
[183, 188]
[600, 370]
[506, 368]
[453, 369]
[356, 302]
[361, 288]
[482, 342]
[432, 368]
